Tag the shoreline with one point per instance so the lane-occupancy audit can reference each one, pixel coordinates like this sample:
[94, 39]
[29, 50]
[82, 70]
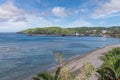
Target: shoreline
[55, 35]
[92, 57]
[97, 53]
[89, 52]
[82, 56]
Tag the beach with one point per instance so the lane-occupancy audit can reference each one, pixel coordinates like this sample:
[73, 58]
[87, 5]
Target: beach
[92, 58]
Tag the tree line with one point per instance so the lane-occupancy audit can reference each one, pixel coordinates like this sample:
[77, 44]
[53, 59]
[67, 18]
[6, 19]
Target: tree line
[79, 31]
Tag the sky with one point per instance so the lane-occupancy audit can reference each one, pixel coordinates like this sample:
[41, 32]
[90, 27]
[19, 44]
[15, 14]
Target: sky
[16, 15]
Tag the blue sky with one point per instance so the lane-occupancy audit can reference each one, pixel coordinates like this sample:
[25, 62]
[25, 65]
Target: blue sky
[16, 15]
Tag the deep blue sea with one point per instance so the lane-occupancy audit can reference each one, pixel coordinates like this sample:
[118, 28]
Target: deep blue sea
[22, 56]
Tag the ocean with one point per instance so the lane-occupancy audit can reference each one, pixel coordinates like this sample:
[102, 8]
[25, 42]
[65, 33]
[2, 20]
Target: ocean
[22, 56]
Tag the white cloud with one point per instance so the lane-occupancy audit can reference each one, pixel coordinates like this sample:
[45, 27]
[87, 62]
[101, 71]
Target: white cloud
[32, 22]
[83, 10]
[59, 12]
[8, 12]
[12, 26]
[80, 23]
[35, 21]
[107, 9]
[14, 19]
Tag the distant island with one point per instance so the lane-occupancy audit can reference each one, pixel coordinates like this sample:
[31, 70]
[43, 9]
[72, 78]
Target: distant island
[113, 31]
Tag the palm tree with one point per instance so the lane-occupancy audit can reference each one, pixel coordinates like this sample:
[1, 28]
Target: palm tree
[48, 76]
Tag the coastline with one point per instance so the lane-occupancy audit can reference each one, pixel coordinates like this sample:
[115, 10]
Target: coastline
[92, 57]
[72, 60]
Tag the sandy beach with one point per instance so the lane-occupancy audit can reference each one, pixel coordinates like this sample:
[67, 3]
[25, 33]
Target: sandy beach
[92, 58]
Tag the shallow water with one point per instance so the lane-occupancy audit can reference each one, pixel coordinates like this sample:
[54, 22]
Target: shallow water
[22, 56]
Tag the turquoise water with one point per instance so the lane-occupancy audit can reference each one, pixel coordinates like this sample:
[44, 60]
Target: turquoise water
[22, 56]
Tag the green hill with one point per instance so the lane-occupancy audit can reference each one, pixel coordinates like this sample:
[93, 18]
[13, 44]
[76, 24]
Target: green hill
[78, 31]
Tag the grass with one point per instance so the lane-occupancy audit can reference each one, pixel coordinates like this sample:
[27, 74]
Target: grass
[110, 70]
[64, 72]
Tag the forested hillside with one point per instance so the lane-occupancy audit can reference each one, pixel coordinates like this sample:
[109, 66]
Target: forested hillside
[78, 31]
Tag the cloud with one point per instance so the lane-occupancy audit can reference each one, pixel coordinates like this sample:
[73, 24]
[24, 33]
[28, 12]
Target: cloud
[59, 12]
[20, 19]
[14, 19]
[12, 26]
[33, 21]
[8, 11]
[80, 23]
[107, 9]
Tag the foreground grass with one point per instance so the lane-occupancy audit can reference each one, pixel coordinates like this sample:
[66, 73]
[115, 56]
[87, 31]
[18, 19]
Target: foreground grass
[110, 69]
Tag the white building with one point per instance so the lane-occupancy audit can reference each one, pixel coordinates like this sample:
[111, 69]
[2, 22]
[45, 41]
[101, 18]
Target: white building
[104, 31]
[77, 34]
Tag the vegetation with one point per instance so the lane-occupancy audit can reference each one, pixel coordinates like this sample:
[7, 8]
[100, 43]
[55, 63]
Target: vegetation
[64, 72]
[49, 31]
[48, 76]
[78, 31]
[110, 69]
[86, 71]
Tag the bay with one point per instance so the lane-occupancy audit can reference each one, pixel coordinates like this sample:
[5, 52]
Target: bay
[22, 56]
